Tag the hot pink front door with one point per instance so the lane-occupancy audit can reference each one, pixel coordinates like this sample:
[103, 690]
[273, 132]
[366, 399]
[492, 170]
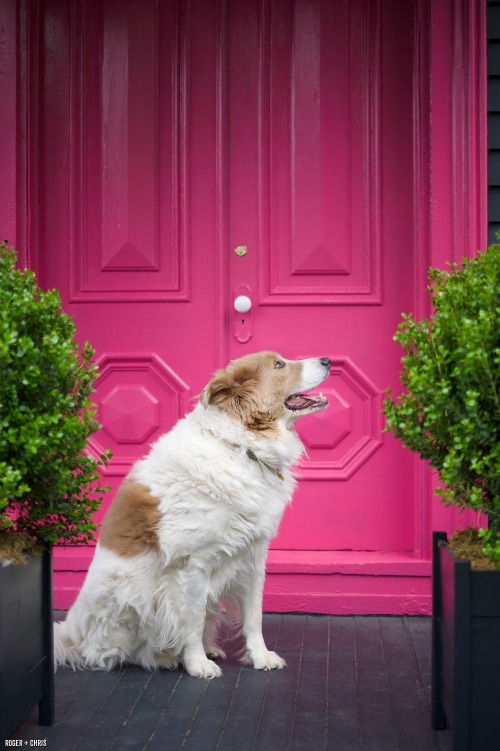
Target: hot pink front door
[190, 153]
[328, 265]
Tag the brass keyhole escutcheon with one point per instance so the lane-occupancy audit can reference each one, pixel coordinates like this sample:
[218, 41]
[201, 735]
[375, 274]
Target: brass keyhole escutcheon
[241, 250]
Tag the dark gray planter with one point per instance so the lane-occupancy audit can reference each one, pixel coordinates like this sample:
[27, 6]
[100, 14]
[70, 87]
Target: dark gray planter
[26, 643]
[465, 651]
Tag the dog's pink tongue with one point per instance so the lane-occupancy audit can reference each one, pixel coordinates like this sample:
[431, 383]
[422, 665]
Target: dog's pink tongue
[298, 400]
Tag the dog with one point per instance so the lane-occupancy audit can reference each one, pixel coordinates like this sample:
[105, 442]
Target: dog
[191, 525]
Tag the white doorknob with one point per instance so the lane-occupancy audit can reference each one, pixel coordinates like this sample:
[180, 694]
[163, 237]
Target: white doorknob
[242, 304]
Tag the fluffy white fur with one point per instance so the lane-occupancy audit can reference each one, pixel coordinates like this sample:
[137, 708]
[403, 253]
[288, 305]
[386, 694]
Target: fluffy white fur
[221, 499]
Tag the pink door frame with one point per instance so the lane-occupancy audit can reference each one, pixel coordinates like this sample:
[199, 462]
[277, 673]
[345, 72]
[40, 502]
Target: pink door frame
[449, 64]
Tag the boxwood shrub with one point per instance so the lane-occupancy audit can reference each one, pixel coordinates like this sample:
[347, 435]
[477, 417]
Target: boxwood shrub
[449, 411]
[49, 488]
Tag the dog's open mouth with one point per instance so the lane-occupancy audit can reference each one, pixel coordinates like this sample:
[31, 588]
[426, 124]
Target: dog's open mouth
[296, 402]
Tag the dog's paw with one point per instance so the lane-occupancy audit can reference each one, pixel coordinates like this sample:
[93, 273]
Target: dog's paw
[203, 669]
[165, 661]
[266, 661]
[215, 653]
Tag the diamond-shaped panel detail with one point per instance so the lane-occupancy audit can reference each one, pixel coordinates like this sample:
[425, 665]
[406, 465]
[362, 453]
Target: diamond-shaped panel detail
[139, 397]
[341, 439]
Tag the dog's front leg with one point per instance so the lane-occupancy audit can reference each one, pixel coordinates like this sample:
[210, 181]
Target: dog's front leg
[251, 611]
[195, 585]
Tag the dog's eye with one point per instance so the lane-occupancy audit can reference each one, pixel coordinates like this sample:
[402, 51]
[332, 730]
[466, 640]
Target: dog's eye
[279, 364]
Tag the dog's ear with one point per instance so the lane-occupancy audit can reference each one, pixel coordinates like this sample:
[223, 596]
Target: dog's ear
[217, 389]
[233, 390]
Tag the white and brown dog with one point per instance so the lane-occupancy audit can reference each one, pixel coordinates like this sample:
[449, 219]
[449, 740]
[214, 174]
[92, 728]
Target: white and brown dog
[191, 525]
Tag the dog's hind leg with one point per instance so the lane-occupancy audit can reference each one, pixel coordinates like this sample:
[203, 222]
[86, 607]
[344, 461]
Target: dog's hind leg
[65, 650]
[166, 661]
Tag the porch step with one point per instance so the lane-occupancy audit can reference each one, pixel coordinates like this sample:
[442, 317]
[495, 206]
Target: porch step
[330, 582]
[347, 583]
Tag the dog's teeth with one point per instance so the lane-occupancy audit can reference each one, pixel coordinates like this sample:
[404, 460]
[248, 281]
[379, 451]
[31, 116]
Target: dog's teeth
[321, 395]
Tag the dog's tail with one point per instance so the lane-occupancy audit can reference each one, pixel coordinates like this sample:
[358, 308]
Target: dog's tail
[65, 650]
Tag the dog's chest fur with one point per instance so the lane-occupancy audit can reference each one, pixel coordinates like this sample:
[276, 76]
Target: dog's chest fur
[219, 487]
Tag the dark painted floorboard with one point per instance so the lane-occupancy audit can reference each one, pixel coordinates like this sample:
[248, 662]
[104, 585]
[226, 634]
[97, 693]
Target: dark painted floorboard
[351, 683]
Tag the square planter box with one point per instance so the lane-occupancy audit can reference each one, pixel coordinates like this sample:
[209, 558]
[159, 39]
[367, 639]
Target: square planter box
[26, 643]
[465, 650]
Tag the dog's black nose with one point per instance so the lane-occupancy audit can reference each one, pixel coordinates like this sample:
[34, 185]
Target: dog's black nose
[325, 361]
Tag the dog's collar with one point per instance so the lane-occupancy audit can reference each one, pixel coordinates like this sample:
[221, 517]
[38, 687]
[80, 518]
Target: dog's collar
[251, 455]
[274, 471]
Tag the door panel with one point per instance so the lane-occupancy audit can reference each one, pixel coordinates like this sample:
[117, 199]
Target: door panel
[130, 167]
[322, 153]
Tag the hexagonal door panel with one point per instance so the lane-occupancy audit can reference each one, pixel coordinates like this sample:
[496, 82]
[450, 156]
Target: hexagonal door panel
[139, 397]
[342, 437]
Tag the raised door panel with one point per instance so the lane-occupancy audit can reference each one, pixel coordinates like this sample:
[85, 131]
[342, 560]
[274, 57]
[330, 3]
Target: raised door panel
[321, 102]
[140, 398]
[129, 158]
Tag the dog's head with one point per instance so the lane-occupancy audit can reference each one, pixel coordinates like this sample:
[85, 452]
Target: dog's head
[262, 389]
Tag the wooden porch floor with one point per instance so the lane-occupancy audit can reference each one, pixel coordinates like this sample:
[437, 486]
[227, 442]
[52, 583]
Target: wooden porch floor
[351, 683]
